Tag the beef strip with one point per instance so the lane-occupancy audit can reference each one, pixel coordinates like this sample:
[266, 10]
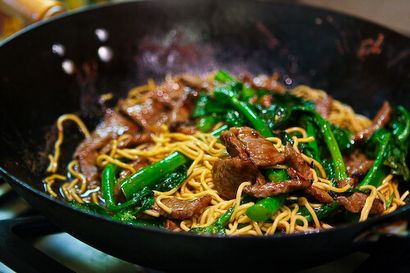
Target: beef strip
[228, 174]
[136, 164]
[184, 209]
[112, 126]
[270, 83]
[194, 82]
[347, 181]
[357, 164]
[355, 203]
[380, 120]
[275, 188]
[296, 161]
[170, 225]
[246, 143]
[169, 102]
[324, 106]
[183, 127]
[266, 101]
[319, 194]
[127, 142]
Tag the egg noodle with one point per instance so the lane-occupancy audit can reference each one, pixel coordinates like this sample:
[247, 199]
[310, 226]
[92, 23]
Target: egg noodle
[204, 149]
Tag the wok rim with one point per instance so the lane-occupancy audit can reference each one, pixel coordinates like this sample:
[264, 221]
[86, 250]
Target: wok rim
[361, 226]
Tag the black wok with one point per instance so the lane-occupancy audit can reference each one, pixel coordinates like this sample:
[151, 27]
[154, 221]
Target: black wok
[149, 39]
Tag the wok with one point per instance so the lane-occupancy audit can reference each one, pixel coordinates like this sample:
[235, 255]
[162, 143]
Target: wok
[62, 65]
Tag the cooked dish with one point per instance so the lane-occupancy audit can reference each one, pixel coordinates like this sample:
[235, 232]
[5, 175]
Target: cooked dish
[234, 155]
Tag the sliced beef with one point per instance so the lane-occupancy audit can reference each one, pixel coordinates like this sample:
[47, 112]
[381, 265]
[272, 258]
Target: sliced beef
[194, 82]
[380, 120]
[134, 140]
[170, 225]
[301, 169]
[266, 101]
[357, 164]
[233, 145]
[183, 127]
[185, 209]
[229, 173]
[275, 188]
[355, 203]
[137, 165]
[112, 126]
[246, 143]
[324, 106]
[319, 194]
[347, 181]
[169, 102]
[270, 83]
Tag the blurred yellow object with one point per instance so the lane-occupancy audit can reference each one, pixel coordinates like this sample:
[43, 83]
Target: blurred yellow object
[73, 4]
[9, 25]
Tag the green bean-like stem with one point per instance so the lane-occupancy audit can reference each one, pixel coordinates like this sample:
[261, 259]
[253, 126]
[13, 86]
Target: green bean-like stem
[402, 132]
[333, 147]
[108, 182]
[265, 208]
[373, 175]
[229, 96]
[150, 175]
[218, 227]
[310, 130]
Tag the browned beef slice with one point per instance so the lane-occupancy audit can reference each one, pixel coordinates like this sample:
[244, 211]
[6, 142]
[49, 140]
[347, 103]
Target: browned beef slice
[136, 164]
[355, 203]
[324, 106]
[319, 194]
[247, 142]
[263, 82]
[194, 81]
[380, 120]
[183, 127]
[266, 101]
[295, 160]
[150, 114]
[234, 146]
[168, 103]
[185, 209]
[112, 126]
[348, 181]
[357, 164]
[275, 188]
[170, 225]
[229, 173]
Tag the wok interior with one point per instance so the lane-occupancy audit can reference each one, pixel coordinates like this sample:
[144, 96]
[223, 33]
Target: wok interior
[151, 39]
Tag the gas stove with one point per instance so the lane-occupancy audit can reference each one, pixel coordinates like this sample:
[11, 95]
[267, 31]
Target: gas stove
[30, 243]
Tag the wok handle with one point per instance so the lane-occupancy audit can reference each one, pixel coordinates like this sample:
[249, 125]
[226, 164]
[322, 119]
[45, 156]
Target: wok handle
[32, 10]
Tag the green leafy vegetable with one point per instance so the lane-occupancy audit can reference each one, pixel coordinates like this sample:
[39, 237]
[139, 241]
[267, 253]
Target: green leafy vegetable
[199, 110]
[206, 123]
[234, 118]
[343, 138]
[379, 139]
[218, 227]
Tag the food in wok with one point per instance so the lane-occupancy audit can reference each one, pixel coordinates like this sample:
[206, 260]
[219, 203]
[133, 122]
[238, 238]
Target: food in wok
[225, 155]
